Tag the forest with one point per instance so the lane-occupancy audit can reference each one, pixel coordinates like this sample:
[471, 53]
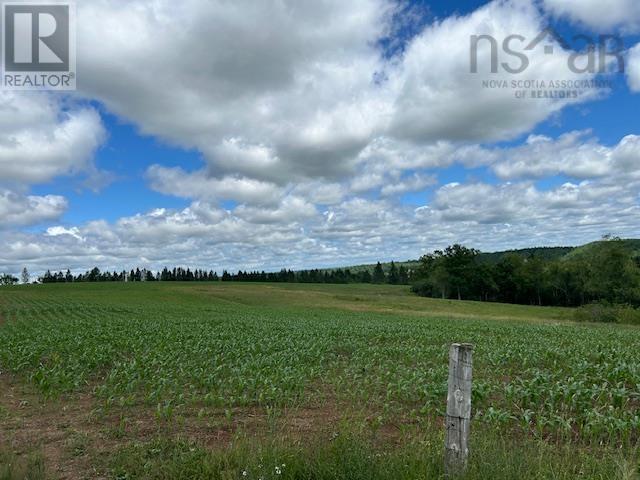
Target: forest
[602, 272]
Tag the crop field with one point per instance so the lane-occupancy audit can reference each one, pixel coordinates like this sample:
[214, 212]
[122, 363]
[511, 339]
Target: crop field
[302, 382]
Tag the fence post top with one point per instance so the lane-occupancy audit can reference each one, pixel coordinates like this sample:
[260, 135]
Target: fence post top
[464, 346]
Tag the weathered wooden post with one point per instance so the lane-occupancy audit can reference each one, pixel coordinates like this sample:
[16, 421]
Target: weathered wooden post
[458, 421]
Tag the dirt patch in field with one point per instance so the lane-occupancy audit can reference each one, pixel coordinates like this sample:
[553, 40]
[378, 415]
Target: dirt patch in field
[59, 430]
[77, 436]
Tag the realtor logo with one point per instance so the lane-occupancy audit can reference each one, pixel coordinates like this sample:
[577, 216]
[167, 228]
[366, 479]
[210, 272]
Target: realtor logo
[38, 46]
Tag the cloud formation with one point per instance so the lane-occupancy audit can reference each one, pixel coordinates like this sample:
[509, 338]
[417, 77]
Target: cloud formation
[18, 210]
[311, 135]
[39, 140]
[296, 233]
[574, 154]
[598, 15]
[303, 95]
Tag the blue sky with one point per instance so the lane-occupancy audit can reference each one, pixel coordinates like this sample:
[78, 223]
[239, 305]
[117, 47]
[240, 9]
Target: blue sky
[320, 134]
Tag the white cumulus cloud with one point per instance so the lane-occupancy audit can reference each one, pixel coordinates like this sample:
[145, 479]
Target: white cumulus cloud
[40, 141]
[18, 210]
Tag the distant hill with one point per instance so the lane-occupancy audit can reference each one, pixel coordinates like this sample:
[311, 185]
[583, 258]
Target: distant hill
[547, 253]
[409, 264]
[586, 250]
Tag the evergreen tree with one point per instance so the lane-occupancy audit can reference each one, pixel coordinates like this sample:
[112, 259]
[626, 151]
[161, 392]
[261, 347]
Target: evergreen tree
[6, 280]
[94, 275]
[378, 274]
[365, 277]
[25, 276]
[394, 277]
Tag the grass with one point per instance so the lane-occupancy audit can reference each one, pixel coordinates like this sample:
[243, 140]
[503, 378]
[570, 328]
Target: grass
[14, 467]
[351, 458]
[219, 377]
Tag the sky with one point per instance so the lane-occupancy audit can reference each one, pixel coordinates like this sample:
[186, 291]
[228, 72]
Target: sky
[318, 133]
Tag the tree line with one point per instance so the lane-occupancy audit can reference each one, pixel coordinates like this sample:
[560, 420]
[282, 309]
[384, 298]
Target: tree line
[395, 275]
[137, 275]
[606, 272]
[8, 279]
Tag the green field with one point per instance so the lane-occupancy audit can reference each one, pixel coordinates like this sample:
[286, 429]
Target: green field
[292, 381]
